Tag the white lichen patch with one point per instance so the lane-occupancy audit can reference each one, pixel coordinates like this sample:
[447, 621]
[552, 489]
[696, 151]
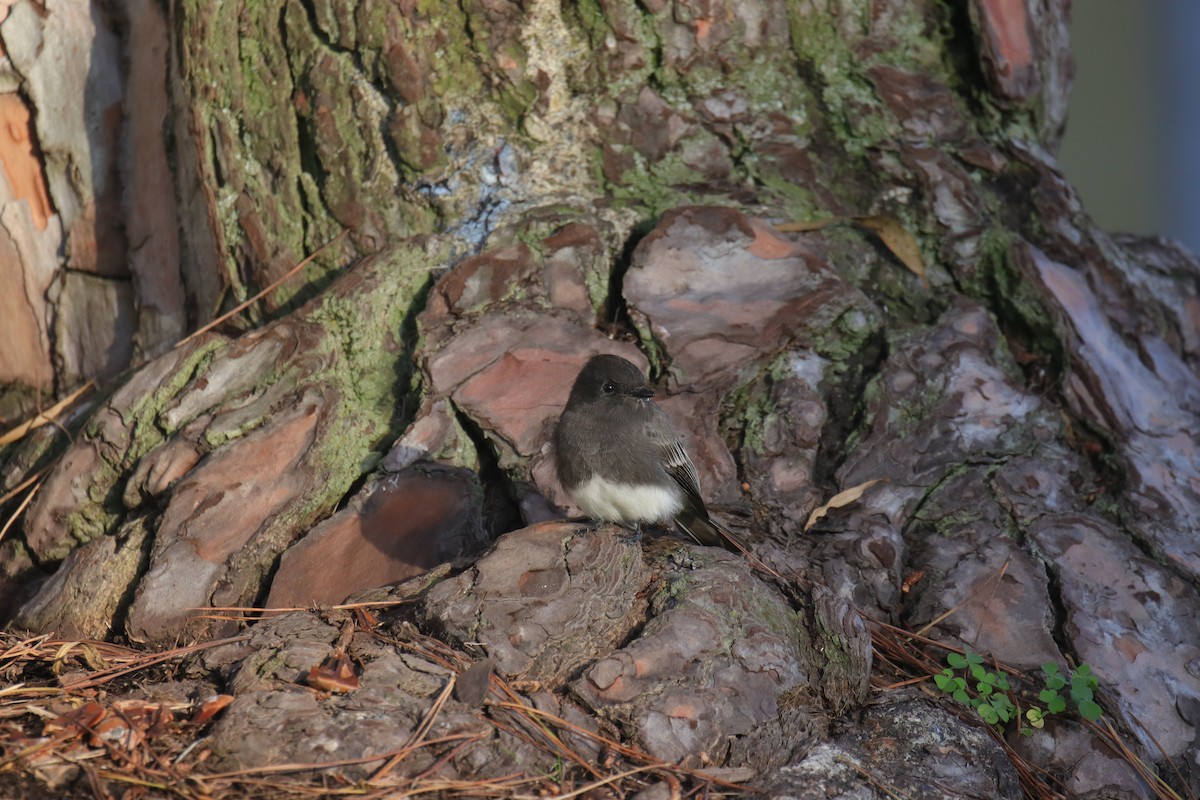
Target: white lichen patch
[561, 124]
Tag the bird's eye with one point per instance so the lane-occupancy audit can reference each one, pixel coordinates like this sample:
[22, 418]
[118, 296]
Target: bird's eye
[608, 388]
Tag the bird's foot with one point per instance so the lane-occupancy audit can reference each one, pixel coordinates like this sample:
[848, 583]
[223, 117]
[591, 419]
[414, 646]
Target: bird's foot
[633, 534]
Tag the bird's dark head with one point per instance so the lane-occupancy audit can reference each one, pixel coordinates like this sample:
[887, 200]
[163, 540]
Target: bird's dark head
[610, 380]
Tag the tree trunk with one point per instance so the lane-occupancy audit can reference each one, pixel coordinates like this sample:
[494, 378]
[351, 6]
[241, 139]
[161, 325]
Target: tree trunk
[522, 185]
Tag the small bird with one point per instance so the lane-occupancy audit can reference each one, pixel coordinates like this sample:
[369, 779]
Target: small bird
[621, 459]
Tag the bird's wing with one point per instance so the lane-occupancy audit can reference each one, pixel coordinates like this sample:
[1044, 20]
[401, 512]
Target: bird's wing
[677, 464]
[671, 455]
[694, 517]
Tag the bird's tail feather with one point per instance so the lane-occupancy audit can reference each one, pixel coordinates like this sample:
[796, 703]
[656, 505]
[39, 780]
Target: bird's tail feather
[706, 531]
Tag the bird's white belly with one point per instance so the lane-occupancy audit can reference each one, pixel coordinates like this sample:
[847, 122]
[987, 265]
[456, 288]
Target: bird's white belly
[625, 503]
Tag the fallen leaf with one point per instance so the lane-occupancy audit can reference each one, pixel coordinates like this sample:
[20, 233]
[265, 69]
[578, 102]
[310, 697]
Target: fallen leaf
[473, 684]
[843, 498]
[895, 237]
[912, 580]
[210, 707]
[79, 720]
[121, 731]
[898, 240]
[365, 619]
[83, 651]
[334, 674]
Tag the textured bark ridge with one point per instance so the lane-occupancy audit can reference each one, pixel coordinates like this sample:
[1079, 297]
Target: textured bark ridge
[682, 649]
[191, 479]
[526, 184]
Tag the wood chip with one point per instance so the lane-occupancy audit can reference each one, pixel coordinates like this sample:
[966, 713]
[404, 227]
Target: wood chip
[840, 499]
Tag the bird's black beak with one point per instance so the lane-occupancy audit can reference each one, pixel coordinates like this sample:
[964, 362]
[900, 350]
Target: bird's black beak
[643, 392]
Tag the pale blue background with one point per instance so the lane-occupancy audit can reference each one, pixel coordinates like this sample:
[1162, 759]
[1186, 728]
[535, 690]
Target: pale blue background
[1132, 146]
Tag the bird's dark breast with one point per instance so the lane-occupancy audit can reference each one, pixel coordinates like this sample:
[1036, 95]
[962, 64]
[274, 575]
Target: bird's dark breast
[571, 472]
[618, 459]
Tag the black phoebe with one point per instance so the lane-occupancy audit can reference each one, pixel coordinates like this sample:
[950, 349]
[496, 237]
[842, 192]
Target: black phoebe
[621, 459]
